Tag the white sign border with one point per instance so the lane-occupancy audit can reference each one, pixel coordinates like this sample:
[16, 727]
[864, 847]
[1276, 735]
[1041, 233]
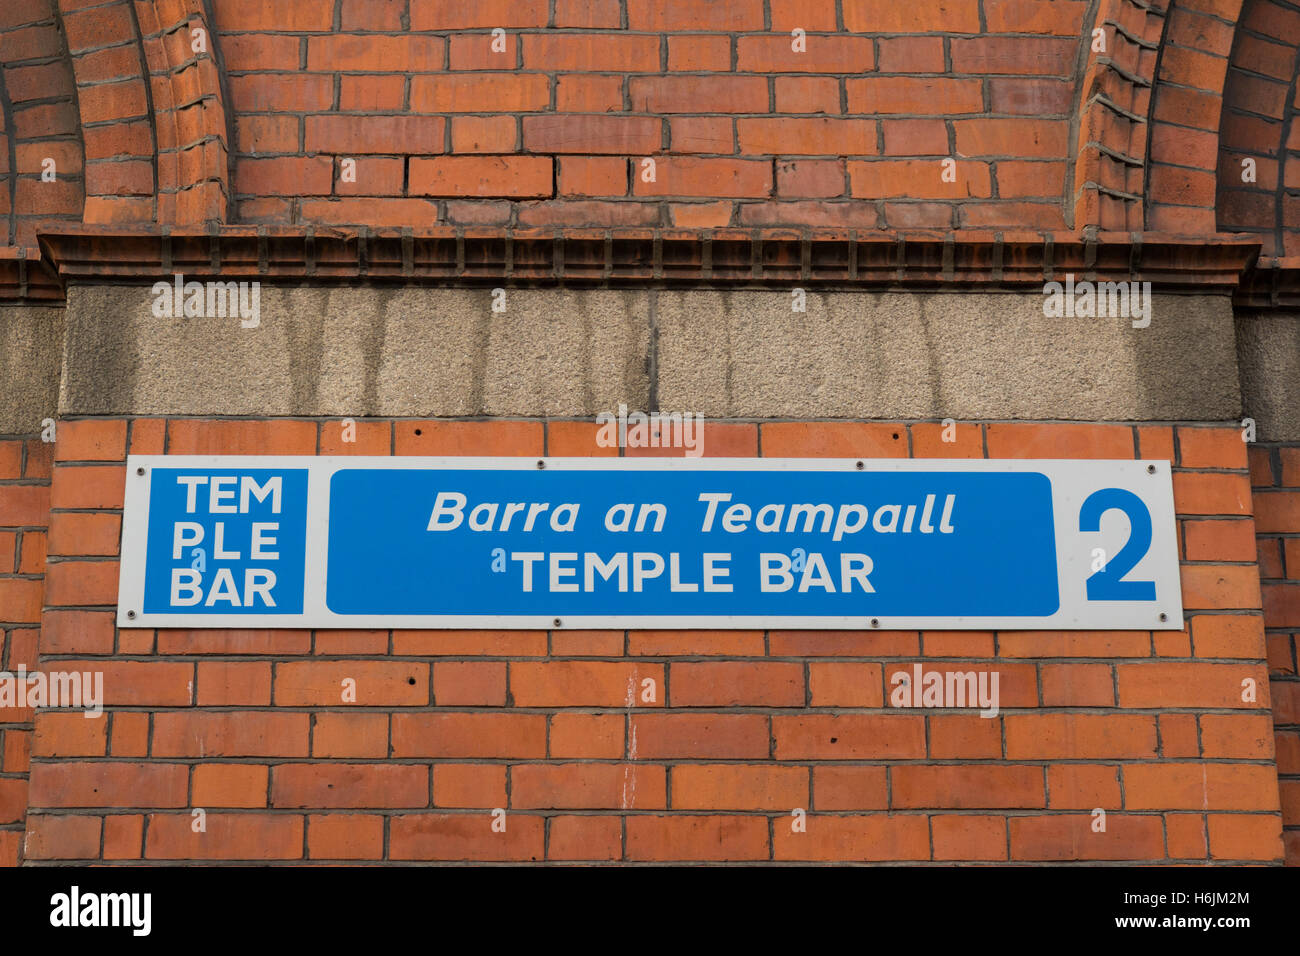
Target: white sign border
[1071, 480]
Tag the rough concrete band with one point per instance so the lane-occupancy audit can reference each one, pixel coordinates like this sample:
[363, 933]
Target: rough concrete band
[31, 354]
[1268, 349]
[411, 351]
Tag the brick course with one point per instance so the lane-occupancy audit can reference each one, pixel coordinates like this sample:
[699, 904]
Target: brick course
[744, 729]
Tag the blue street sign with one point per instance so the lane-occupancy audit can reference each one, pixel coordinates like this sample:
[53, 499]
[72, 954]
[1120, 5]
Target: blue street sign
[668, 543]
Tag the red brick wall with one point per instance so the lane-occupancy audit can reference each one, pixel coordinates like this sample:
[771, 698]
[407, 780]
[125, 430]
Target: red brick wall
[1275, 472]
[743, 129]
[24, 511]
[746, 727]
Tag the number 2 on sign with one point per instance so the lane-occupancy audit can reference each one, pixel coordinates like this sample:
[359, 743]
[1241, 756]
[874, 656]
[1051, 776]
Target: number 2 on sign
[1108, 584]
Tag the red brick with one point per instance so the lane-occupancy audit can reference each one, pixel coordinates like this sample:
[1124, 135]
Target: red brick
[591, 52]
[375, 683]
[229, 785]
[1078, 685]
[268, 92]
[1185, 833]
[702, 736]
[230, 437]
[1059, 441]
[966, 788]
[585, 683]
[880, 179]
[587, 735]
[1055, 838]
[139, 683]
[345, 836]
[1082, 786]
[344, 135]
[24, 506]
[1239, 836]
[821, 54]
[1220, 587]
[479, 93]
[230, 734]
[60, 837]
[403, 53]
[350, 735]
[964, 737]
[737, 684]
[483, 14]
[469, 438]
[20, 601]
[884, 16]
[694, 15]
[1026, 55]
[1079, 736]
[620, 135]
[807, 94]
[469, 735]
[696, 838]
[123, 836]
[436, 836]
[1213, 495]
[1277, 512]
[966, 837]
[693, 54]
[91, 440]
[927, 96]
[471, 785]
[872, 837]
[349, 785]
[1197, 786]
[848, 736]
[1219, 540]
[585, 838]
[70, 734]
[837, 685]
[372, 93]
[74, 784]
[484, 134]
[911, 55]
[370, 438]
[578, 93]
[78, 583]
[469, 683]
[588, 786]
[511, 176]
[688, 176]
[813, 136]
[833, 440]
[848, 788]
[227, 836]
[591, 14]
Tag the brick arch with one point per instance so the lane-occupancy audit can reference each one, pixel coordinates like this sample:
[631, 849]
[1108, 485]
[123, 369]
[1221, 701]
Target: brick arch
[1149, 115]
[1189, 102]
[1113, 113]
[152, 111]
[38, 121]
[1259, 122]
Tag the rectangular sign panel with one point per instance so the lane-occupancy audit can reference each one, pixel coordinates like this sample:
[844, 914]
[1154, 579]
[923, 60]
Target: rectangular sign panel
[282, 542]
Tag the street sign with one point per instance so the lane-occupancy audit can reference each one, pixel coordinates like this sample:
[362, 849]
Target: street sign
[235, 541]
